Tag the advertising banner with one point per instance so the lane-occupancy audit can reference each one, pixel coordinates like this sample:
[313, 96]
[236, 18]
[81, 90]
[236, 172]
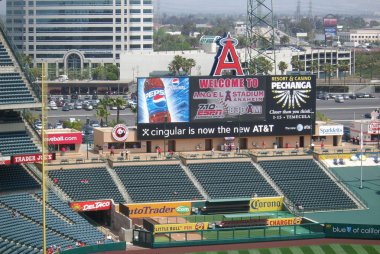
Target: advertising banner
[30, 158]
[266, 204]
[180, 227]
[330, 32]
[159, 209]
[163, 97]
[330, 130]
[228, 106]
[330, 22]
[339, 230]
[374, 127]
[284, 221]
[227, 99]
[90, 206]
[65, 138]
[5, 160]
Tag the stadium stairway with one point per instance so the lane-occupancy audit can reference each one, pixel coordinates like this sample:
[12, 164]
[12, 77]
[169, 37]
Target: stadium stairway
[119, 184]
[345, 189]
[195, 181]
[15, 68]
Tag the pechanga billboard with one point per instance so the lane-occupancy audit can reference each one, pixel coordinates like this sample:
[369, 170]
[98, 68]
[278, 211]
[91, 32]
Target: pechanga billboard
[201, 107]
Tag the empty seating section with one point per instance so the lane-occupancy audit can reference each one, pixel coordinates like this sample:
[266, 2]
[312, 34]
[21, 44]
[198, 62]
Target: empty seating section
[17, 143]
[64, 227]
[5, 60]
[14, 177]
[9, 116]
[9, 247]
[231, 180]
[87, 184]
[156, 183]
[13, 90]
[305, 183]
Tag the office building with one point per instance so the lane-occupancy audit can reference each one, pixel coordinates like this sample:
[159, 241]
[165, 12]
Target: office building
[74, 36]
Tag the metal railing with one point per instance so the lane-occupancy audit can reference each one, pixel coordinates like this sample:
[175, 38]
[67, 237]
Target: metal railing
[24, 67]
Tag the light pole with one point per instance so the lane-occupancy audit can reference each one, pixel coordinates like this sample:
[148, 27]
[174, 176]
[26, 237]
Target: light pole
[361, 154]
[238, 150]
[87, 143]
[165, 120]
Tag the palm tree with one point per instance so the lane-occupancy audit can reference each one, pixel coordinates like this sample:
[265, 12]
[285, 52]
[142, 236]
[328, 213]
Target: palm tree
[314, 66]
[282, 66]
[361, 64]
[176, 65]
[344, 67]
[260, 65]
[188, 64]
[296, 63]
[120, 103]
[102, 111]
[328, 69]
[181, 63]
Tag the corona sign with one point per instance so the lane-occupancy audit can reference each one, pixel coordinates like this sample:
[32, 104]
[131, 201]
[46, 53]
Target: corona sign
[266, 204]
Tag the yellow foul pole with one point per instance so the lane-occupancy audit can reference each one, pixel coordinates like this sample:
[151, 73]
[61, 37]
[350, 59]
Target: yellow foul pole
[44, 120]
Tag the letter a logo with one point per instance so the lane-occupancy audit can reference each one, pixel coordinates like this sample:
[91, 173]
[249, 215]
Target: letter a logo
[226, 58]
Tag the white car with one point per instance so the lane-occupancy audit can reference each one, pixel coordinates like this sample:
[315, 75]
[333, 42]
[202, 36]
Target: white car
[58, 125]
[53, 105]
[38, 125]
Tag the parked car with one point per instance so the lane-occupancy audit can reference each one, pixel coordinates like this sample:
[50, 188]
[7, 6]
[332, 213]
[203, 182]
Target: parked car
[74, 96]
[38, 125]
[78, 105]
[87, 130]
[59, 103]
[113, 107]
[53, 105]
[346, 97]
[94, 123]
[359, 95]
[66, 107]
[88, 106]
[339, 99]
[353, 96]
[372, 95]
[94, 96]
[323, 96]
[59, 125]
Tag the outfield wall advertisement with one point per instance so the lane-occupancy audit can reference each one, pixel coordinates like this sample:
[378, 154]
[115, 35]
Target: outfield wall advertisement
[201, 107]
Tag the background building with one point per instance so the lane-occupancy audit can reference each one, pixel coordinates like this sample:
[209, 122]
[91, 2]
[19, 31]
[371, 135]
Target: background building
[361, 36]
[79, 35]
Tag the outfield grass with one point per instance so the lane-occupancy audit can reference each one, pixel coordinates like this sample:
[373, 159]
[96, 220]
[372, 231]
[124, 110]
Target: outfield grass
[315, 249]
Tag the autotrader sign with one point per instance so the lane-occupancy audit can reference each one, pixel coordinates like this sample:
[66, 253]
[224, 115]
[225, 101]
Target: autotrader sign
[230, 106]
[339, 230]
[159, 209]
[64, 138]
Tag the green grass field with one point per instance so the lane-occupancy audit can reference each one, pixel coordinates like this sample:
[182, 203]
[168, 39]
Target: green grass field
[317, 249]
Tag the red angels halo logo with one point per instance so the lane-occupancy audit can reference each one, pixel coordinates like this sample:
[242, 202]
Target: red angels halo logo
[226, 58]
[120, 132]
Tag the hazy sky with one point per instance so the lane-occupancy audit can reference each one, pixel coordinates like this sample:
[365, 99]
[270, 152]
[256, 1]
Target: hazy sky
[280, 6]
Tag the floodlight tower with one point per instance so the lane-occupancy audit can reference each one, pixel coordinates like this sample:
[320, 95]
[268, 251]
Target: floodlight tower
[260, 35]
